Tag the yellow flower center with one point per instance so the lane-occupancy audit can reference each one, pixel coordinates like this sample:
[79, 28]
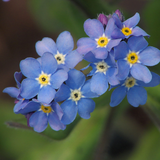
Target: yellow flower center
[44, 79]
[102, 41]
[126, 31]
[130, 82]
[60, 58]
[76, 95]
[46, 109]
[132, 57]
[102, 66]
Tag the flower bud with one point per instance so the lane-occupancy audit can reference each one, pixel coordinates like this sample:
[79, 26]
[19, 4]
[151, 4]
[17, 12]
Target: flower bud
[103, 19]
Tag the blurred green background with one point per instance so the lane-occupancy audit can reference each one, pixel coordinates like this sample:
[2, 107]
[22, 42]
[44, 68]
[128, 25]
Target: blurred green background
[120, 133]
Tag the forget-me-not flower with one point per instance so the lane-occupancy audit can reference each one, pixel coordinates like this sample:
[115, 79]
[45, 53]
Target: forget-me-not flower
[44, 114]
[133, 88]
[76, 95]
[128, 27]
[99, 41]
[62, 50]
[42, 79]
[103, 71]
[133, 57]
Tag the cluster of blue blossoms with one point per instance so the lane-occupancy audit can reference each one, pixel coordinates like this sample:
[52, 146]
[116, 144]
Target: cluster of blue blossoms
[50, 90]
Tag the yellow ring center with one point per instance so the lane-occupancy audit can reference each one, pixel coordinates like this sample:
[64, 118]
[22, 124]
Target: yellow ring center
[102, 66]
[46, 109]
[102, 42]
[126, 31]
[132, 57]
[44, 79]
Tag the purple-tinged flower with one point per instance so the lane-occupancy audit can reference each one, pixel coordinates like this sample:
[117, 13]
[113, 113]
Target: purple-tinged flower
[76, 95]
[133, 57]
[120, 15]
[5, 0]
[128, 27]
[44, 114]
[42, 79]
[133, 88]
[99, 41]
[15, 93]
[61, 50]
[103, 19]
[103, 72]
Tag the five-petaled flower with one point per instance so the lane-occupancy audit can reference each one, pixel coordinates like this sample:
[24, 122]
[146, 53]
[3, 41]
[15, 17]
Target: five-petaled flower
[76, 95]
[42, 78]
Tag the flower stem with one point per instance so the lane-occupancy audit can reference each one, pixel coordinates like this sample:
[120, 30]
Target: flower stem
[101, 149]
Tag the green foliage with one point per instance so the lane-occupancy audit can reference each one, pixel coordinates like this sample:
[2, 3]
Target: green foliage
[55, 16]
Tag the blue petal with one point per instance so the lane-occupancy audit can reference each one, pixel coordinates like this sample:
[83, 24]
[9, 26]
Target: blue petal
[99, 83]
[29, 88]
[56, 107]
[110, 27]
[75, 79]
[65, 42]
[85, 107]
[123, 69]
[55, 122]
[20, 106]
[118, 22]
[141, 73]
[137, 44]
[31, 106]
[12, 91]
[63, 93]
[86, 90]
[46, 45]
[46, 94]
[72, 59]
[39, 121]
[154, 82]
[117, 33]
[133, 21]
[90, 57]
[49, 63]
[113, 43]
[84, 45]
[100, 53]
[121, 51]
[117, 96]
[93, 28]
[137, 96]
[58, 78]
[150, 56]
[70, 111]
[137, 31]
[30, 67]
[18, 78]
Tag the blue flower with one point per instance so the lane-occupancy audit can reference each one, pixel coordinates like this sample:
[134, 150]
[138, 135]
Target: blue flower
[103, 72]
[133, 57]
[15, 93]
[127, 28]
[42, 79]
[99, 41]
[76, 95]
[44, 114]
[61, 50]
[133, 88]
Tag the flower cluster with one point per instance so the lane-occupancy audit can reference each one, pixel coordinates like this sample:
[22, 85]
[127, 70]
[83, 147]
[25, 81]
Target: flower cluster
[50, 90]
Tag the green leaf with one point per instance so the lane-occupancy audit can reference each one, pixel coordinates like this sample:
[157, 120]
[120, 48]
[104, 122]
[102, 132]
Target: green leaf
[79, 145]
[148, 147]
[56, 16]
